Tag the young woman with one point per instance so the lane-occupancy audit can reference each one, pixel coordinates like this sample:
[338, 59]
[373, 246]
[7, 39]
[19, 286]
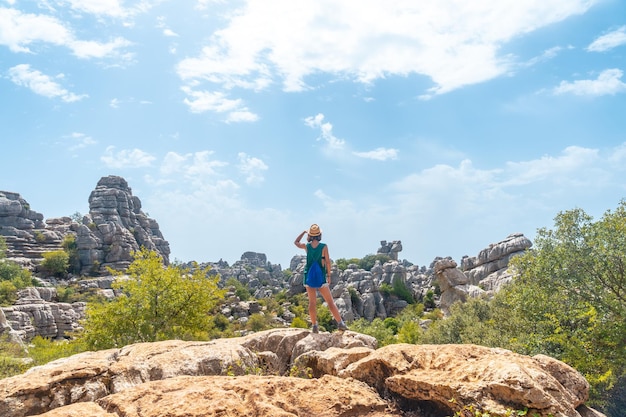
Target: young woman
[317, 252]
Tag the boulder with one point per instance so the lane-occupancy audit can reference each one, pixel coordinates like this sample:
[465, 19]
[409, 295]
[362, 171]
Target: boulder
[450, 377]
[269, 396]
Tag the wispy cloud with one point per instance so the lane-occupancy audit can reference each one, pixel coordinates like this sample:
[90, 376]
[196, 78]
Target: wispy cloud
[609, 41]
[379, 154]
[202, 101]
[608, 83]
[126, 158]
[80, 141]
[42, 84]
[252, 168]
[326, 131]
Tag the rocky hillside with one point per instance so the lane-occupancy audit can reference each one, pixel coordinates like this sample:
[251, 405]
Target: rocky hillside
[116, 226]
[292, 372]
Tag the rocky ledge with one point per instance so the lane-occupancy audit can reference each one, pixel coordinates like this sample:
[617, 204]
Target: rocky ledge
[340, 374]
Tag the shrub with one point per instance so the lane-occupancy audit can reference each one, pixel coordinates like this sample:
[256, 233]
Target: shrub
[299, 323]
[370, 260]
[56, 262]
[8, 293]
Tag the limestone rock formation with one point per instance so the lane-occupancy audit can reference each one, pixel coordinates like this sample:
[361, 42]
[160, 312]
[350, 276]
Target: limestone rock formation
[24, 230]
[37, 313]
[480, 275]
[454, 284]
[489, 268]
[249, 376]
[115, 227]
[391, 249]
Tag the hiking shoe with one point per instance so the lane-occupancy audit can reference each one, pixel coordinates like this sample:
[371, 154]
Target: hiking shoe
[315, 329]
[342, 326]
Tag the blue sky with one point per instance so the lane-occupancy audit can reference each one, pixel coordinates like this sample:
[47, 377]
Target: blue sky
[447, 125]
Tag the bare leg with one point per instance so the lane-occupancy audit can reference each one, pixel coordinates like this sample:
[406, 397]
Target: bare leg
[328, 297]
[312, 293]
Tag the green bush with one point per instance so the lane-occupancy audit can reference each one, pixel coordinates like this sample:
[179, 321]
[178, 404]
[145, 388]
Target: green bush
[370, 260]
[56, 262]
[257, 322]
[300, 323]
[71, 248]
[8, 293]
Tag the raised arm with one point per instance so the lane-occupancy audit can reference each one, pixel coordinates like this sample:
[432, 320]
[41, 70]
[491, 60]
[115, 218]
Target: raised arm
[298, 239]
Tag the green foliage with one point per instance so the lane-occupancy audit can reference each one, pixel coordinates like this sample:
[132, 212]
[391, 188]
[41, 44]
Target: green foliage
[43, 350]
[39, 236]
[369, 261]
[12, 278]
[8, 293]
[568, 301]
[77, 217]
[158, 303]
[377, 329]
[257, 322]
[401, 291]
[71, 248]
[325, 319]
[299, 323]
[241, 291]
[13, 359]
[3, 247]
[56, 262]
[342, 263]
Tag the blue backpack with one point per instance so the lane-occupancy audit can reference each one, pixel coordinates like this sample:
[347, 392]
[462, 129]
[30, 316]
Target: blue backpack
[315, 276]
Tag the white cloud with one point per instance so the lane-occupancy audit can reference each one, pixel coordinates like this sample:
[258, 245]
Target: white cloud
[80, 141]
[21, 30]
[609, 41]
[252, 168]
[608, 82]
[91, 49]
[41, 84]
[126, 158]
[453, 43]
[564, 168]
[202, 101]
[326, 131]
[197, 168]
[379, 154]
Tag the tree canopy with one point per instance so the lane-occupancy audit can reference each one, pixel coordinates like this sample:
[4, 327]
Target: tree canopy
[157, 303]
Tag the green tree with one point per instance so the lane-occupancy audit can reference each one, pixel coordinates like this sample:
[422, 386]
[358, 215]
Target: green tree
[158, 303]
[56, 262]
[572, 292]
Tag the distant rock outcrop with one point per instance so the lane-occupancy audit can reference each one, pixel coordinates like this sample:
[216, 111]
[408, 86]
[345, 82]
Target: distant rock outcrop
[480, 275]
[490, 269]
[248, 376]
[24, 230]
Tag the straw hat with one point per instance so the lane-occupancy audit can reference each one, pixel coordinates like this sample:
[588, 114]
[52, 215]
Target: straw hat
[315, 230]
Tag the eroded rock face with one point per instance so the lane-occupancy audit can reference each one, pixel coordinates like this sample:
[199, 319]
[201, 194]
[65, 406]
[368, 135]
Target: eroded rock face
[114, 228]
[247, 376]
[489, 268]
